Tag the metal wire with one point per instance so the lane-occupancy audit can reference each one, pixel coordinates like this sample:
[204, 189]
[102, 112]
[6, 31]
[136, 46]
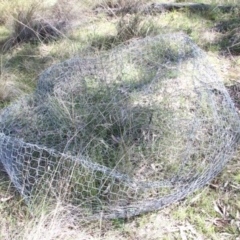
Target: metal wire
[122, 134]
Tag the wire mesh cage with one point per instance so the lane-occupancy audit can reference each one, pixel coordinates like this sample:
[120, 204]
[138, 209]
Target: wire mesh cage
[124, 133]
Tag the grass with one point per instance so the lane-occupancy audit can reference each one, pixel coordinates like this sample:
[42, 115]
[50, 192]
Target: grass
[124, 4]
[107, 125]
[214, 2]
[211, 213]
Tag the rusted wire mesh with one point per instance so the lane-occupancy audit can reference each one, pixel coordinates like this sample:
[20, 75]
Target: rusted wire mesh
[122, 134]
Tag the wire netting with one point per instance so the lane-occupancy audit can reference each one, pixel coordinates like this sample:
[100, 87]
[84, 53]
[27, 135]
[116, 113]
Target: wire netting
[124, 133]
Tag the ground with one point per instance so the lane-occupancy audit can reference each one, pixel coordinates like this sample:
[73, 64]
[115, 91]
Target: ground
[212, 212]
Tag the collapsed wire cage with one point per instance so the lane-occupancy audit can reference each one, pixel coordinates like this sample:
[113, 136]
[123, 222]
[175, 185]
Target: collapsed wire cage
[125, 133]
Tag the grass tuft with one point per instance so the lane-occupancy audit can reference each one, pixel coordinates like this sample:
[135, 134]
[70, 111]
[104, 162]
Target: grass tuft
[134, 26]
[28, 26]
[123, 4]
[127, 27]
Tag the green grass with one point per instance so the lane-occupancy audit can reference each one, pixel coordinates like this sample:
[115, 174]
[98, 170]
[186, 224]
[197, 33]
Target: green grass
[4, 32]
[195, 216]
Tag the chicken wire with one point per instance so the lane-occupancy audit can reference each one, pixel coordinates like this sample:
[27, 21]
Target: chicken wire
[127, 132]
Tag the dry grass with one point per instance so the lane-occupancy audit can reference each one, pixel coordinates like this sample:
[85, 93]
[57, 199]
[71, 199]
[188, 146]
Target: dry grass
[37, 23]
[211, 1]
[6, 91]
[124, 4]
[134, 26]
[9, 88]
[235, 41]
[127, 27]
[212, 213]
[58, 223]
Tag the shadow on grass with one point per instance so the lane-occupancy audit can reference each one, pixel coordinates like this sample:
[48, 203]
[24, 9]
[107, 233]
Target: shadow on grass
[227, 43]
[28, 60]
[225, 23]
